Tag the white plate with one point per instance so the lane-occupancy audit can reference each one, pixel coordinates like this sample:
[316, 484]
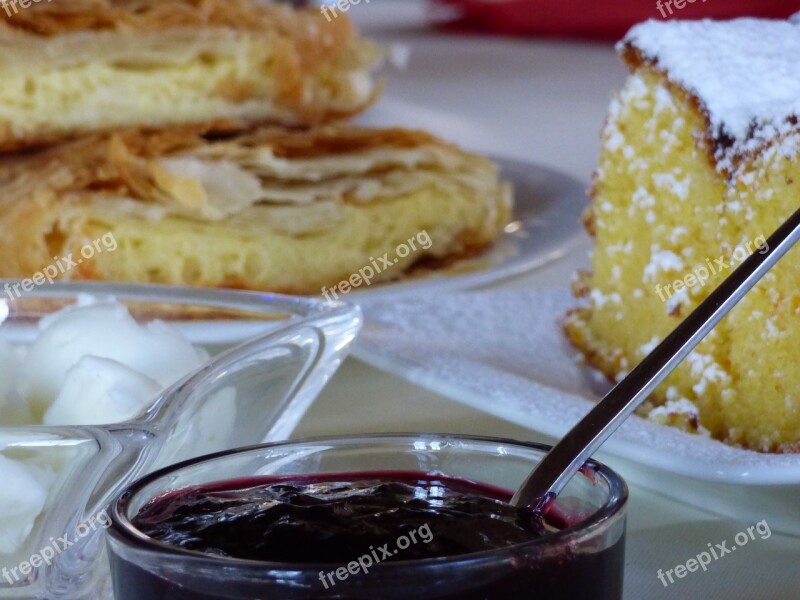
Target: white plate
[545, 227]
[501, 352]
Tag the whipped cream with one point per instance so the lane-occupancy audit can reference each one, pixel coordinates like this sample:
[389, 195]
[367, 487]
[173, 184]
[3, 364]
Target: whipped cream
[90, 364]
[100, 390]
[139, 361]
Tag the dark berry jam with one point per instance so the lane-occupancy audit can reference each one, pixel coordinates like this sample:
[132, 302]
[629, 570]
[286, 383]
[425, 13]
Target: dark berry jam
[324, 520]
[348, 526]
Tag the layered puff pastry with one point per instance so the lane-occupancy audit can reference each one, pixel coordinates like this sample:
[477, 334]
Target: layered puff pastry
[274, 209]
[76, 66]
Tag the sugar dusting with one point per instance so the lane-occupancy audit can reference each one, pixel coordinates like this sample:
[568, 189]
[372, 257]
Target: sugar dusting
[662, 261]
[744, 72]
[707, 372]
[681, 406]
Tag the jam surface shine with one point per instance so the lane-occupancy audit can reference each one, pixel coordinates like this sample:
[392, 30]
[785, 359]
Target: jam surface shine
[328, 519]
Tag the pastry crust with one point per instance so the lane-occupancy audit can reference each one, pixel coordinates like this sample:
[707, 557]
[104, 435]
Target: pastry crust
[58, 17]
[273, 209]
[74, 66]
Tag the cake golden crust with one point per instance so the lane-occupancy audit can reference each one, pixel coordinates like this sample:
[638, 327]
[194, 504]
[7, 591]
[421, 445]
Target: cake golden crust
[741, 75]
[715, 144]
[636, 60]
[575, 325]
[273, 209]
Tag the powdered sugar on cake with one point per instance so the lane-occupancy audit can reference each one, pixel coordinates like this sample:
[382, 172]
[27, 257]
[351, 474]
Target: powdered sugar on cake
[745, 73]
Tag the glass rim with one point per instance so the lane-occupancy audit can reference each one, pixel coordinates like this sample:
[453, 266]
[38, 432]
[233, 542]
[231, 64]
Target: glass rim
[245, 300]
[122, 527]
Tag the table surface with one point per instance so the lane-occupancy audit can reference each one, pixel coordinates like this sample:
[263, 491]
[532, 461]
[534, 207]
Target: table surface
[542, 101]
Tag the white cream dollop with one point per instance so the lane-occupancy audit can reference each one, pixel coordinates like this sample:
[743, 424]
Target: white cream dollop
[98, 391]
[104, 330]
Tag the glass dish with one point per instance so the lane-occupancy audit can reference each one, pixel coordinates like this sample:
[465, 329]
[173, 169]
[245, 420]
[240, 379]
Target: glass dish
[255, 392]
[582, 562]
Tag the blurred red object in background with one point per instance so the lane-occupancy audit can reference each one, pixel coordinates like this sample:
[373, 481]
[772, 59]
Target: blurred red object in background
[609, 19]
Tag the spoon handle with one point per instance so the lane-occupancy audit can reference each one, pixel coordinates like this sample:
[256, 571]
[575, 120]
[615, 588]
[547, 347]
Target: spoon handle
[555, 470]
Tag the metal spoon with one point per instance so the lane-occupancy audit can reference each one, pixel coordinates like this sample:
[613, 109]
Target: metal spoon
[566, 458]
